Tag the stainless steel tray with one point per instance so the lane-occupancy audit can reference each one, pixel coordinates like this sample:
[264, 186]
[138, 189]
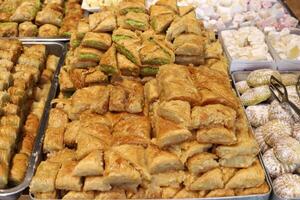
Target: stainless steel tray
[241, 76]
[39, 155]
[58, 49]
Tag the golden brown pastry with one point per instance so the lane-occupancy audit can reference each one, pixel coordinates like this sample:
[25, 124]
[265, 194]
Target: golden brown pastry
[45, 195]
[65, 179]
[71, 133]
[57, 118]
[54, 139]
[96, 183]
[135, 155]
[242, 161]
[247, 178]
[62, 155]
[44, 178]
[216, 135]
[262, 189]
[220, 193]
[27, 145]
[151, 91]
[208, 181]
[117, 99]
[73, 195]
[168, 179]
[31, 125]
[3, 174]
[184, 193]
[213, 115]
[18, 168]
[91, 165]
[112, 194]
[161, 161]
[119, 171]
[202, 163]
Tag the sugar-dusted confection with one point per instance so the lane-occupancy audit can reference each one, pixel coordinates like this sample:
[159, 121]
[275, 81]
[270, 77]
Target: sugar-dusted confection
[256, 95]
[242, 86]
[274, 166]
[287, 186]
[262, 77]
[287, 150]
[259, 136]
[296, 131]
[258, 115]
[274, 130]
[289, 79]
[281, 112]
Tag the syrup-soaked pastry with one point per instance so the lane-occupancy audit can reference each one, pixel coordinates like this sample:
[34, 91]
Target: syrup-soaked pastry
[3, 174]
[54, 139]
[74, 195]
[44, 178]
[281, 112]
[220, 193]
[176, 111]
[275, 130]
[5, 155]
[71, 132]
[135, 155]
[119, 171]
[65, 179]
[258, 115]
[242, 86]
[61, 156]
[241, 161]
[91, 165]
[184, 193]
[57, 118]
[248, 177]
[202, 163]
[161, 161]
[169, 133]
[169, 192]
[216, 135]
[287, 150]
[27, 144]
[210, 180]
[262, 77]
[262, 189]
[18, 168]
[45, 195]
[287, 186]
[212, 116]
[115, 193]
[96, 183]
[228, 173]
[274, 166]
[102, 22]
[175, 83]
[168, 179]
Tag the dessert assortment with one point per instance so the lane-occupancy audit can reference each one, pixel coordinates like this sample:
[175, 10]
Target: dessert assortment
[143, 106]
[33, 18]
[26, 75]
[178, 132]
[276, 128]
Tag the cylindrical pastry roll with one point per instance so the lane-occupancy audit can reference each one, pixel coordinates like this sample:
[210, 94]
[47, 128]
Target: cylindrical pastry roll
[287, 150]
[274, 166]
[287, 186]
[281, 112]
[242, 86]
[258, 115]
[256, 95]
[262, 77]
[275, 130]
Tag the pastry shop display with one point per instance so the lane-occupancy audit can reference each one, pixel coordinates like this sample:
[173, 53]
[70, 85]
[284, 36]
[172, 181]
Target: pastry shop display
[130, 40]
[221, 14]
[34, 18]
[276, 131]
[136, 117]
[246, 44]
[26, 75]
[286, 44]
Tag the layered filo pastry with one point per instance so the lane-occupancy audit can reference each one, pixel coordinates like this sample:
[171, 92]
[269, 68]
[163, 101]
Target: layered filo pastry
[22, 89]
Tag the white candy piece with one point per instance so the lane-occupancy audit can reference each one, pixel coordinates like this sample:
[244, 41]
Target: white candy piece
[246, 43]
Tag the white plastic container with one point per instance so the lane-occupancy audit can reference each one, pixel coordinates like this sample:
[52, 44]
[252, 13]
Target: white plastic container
[245, 65]
[85, 6]
[284, 64]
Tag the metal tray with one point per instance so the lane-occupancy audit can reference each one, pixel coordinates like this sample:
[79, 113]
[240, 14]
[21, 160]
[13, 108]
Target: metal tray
[284, 64]
[241, 76]
[57, 49]
[243, 65]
